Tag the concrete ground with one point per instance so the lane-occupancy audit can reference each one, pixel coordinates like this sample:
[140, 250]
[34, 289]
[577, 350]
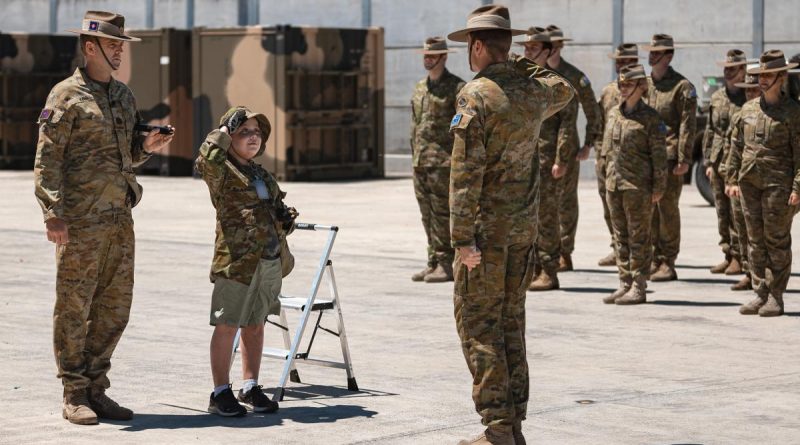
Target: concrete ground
[685, 368]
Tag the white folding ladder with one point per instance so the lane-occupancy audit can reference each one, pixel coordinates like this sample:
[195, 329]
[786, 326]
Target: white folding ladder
[290, 355]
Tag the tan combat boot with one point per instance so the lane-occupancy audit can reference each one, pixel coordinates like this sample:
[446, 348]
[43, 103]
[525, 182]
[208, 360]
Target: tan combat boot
[420, 276]
[608, 260]
[546, 280]
[516, 431]
[107, 408]
[624, 286]
[442, 274]
[720, 268]
[654, 267]
[76, 408]
[743, 284]
[565, 263]
[636, 295]
[494, 435]
[665, 272]
[734, 268]
[773, 307]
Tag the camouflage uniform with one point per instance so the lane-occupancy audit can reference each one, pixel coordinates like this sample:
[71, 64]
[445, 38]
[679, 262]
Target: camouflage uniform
[715, 153]
[609, 98]
[675, 100]
[568, 188]
[635, 153]
[737, 211]
[433, 105]
[493, 205]
[765, 164]
[84, 175]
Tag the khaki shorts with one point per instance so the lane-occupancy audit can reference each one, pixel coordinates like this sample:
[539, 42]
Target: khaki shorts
[235, 304]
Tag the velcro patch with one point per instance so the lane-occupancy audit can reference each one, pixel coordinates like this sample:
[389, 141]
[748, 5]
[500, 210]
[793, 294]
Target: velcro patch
[45, 115]
[662, 127]
[585, 82]
[93, 25]
[456, 120]
[693, 94]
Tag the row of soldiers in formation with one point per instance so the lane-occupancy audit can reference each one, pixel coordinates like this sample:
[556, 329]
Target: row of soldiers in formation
[643, 130]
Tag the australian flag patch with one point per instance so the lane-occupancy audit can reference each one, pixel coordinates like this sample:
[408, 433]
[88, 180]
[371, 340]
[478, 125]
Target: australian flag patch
[456, 120]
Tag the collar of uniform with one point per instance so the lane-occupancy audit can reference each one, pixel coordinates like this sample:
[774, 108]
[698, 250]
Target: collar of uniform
[445, 75]
[84, 79]
[737, 98]
[495, 68]
[636, 108]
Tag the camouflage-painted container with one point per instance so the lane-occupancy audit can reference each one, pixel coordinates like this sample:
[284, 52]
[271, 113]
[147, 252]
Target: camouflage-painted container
[321, 88]
[159, 72]
[30, 65]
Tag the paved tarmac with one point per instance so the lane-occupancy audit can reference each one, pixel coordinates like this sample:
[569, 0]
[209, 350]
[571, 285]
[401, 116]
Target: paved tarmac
[685, 368]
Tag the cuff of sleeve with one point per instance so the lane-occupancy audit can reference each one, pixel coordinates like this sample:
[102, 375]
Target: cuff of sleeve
[53, 213]
[220, 139]
[463, 243]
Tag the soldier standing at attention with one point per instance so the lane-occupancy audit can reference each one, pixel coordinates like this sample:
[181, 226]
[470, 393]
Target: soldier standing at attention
[725, 102]
[86, 186]
[765, 173]
[493, 210]
[675, 99]
[751, 91]
[634, 146]
[568, 187]
[625, 54]
[432, 106]
[554, 149]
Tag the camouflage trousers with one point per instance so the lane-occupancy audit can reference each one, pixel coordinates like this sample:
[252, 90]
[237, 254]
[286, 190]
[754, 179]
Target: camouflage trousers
[94, 289]
[666, 230]
[631, 215]
[432, 188]
[548, 239]
[600, 171]
[769, 223]
[489, 306]
[728, 239]
[741, 232]
[568, 212]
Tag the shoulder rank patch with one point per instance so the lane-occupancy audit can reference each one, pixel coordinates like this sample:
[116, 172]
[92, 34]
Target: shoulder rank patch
[662, 127]
[693, 93]
[456, 120]
[45, 115]
[585, 81]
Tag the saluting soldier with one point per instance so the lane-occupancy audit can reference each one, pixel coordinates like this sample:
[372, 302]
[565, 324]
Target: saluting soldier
[675, 99]
[725, 102]
[765, 173]
[568, 188]
[432, 106]
[625, 54]
[86, 186]
[493, 210]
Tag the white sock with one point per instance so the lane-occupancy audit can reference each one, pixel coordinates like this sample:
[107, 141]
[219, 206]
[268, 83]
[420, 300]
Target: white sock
[249, 384]
[218, 389]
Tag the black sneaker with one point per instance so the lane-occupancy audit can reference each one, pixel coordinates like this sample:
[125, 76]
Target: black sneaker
[258, 400]
[225, 404]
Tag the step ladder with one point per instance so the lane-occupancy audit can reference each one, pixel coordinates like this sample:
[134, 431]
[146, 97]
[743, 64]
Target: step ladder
[290, 354]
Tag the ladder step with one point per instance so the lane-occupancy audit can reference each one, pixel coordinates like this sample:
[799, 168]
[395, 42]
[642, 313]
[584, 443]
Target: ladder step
[281, 354]
[300, 304]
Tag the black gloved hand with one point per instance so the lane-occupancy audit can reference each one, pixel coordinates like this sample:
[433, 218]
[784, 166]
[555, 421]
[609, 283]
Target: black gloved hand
[236, 119]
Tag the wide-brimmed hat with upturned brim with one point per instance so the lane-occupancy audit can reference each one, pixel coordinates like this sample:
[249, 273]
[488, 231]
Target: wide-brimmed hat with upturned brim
[735, 57]
[772, 61]
[632, 72]
[625, 51]
[107, 25]
[535, 34]
[434, 46]
[750, 81]
[660, 42]
[263, 124]
[486, 18]
[556, 34]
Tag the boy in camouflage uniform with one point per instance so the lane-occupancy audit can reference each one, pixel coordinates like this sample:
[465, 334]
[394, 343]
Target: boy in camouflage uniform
[252, 223]
[725, 102]
[432, 106]
[765, 173]
[86, 186]
[634, 148]
[493, 212]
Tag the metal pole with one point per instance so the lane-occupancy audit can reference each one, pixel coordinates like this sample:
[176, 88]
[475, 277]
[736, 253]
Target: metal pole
[253, 12]
[618, 24]
[53, 16]
[149, 14]
[366, 13]
[190, 14]
[486, 2]
[758, 27]
[248, 12]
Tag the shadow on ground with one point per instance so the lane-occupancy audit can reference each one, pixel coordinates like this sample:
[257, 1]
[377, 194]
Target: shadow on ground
[694, 303]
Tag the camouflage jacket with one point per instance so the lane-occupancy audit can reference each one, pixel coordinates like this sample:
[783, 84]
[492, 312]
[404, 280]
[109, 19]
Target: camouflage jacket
[494, 176]
[609, 98]
[556, 144]
[432, 106]
[634, 147]
[717, 134]
[766, 143]
[87, 149]
[247, 227]
[675, 99]
[588, 101]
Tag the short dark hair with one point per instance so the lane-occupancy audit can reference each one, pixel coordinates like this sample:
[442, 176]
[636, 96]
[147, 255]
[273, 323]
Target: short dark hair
[497, 41]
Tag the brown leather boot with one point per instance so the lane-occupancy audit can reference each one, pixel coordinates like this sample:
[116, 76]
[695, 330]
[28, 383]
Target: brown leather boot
[76, 408]
[624, 287]
[107, 408]
[654, 267]
[773, 307]
[743, 284]
[420, 276]
[608, 260]
[665, 272]
[752, 307]
[565, 263]
[734, 268]
[494, 435]
[720, 268]
[442, 274]
[547, 280]
[636, 295]
[516, 431]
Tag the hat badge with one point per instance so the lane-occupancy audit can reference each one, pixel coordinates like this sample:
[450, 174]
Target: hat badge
[93, 25]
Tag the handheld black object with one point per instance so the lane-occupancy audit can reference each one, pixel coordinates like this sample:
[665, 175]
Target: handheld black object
[145, 128]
